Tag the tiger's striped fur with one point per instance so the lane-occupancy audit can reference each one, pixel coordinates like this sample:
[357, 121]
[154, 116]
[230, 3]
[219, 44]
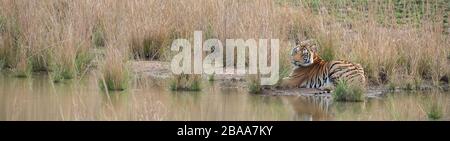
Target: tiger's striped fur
[310, 71]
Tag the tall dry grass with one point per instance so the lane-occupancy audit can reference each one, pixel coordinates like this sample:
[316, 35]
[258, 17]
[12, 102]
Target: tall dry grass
[397, 41]
[49, 35]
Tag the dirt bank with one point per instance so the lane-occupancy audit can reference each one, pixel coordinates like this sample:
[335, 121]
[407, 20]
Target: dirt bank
[161, 70]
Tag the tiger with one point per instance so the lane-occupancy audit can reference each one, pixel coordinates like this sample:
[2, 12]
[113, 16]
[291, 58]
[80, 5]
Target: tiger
[311, 71]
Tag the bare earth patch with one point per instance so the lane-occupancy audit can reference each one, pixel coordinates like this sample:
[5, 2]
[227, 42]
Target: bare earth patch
[153, 69]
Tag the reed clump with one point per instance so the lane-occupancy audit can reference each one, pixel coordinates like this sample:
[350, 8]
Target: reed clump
[185, 82]
[254, 84]
[114, 73]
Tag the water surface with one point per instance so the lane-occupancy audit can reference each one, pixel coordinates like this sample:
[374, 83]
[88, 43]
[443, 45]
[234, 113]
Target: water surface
[37, 98]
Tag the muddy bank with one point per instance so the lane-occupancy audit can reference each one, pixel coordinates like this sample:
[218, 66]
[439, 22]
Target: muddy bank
[161, 70]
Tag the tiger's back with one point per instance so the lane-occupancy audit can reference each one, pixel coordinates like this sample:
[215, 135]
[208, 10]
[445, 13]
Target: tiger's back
[347, 71]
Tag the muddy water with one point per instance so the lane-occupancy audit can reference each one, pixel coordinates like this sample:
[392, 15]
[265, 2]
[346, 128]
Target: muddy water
[37, 98]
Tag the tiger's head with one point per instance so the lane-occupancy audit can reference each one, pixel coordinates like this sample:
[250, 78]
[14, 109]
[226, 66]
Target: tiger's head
[302, 55]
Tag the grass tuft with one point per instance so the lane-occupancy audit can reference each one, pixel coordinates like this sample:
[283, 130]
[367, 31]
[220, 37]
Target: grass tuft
[348, 92]
[185, 82]
[63, 69]
[448, 56]
[326, 49]
[424, 67]
[254, 84]
[2, 64]
[23, 67]
[59, 74]
[392, 86]
[98, 36]
[211, 77]
[412, 84]
[434, 112]
[83, 61]
[285, 63]
[2, 24]
[149, 48]
[114, 72]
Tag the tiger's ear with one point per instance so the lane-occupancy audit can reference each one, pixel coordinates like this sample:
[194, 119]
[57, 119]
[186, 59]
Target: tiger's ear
[314, 45]
[311, 44]
[315, 48]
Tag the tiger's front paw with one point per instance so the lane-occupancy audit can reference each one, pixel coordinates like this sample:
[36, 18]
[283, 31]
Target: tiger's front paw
[287, 83]
[286, 86]
[268, 87]
[327, 88]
